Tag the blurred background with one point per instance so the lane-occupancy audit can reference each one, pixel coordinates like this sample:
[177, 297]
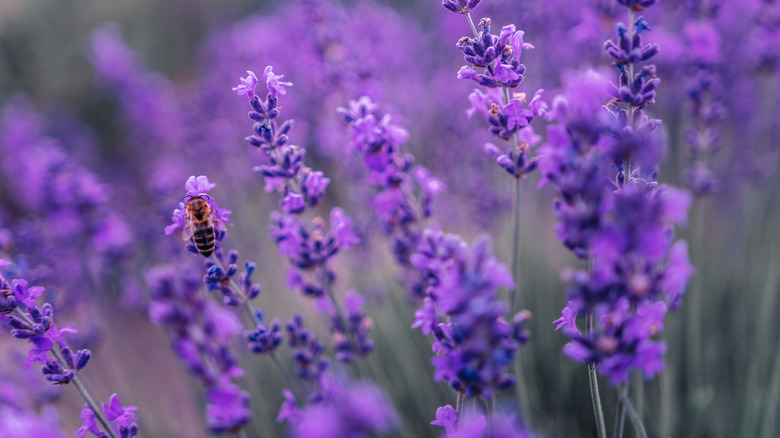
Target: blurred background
[108, 108]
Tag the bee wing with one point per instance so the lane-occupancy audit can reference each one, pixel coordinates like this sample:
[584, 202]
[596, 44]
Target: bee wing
[215, 220]
[187, 231]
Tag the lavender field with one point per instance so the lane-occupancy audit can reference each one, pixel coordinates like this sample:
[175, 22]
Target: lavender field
[396, 218]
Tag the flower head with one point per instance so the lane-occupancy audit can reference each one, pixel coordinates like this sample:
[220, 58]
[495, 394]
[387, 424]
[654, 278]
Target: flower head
[274, 83]
[460, 6]
[247, 85]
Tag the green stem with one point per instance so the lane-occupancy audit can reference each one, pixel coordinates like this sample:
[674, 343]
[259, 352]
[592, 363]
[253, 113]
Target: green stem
[595, 398]
[85, 394]
[471, 23]
[620, 417]
[772, 401]
[630, 107]
[513, 293]
[339, 314]
[639, 386]
[459, 407]
[300, 392]
[87, 397]
[297, 389]
[639, 428]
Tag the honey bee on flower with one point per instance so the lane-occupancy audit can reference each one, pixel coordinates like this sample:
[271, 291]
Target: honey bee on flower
[199, 217]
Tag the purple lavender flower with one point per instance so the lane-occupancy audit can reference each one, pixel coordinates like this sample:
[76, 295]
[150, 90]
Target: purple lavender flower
[272, 81]
[475, 424]
[636, 88]
[358, 324]
[227, 408]
[635, 275]
[60, 211]
[247, 85]
[221, 274]
[379, 142]
[308, 351]
[706, 111]
[60, 364]
[200, 333]
[637, 5]
[36, 324]
[477, 346]
[498, 56]
[19, 423]
[309, 247]
[460, 6]
[122, 420]
[349, 409]
[264, 339]
[487, 49]
[621, 341]
[286, 172]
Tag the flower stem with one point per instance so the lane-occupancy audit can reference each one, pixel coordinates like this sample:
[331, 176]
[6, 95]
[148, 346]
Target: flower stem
[639, 395]
[339, 314]
[620, 417]
[77, 383]
[459, 407]
[294, 384]
[471, 23]
[250, 308]
[639, 428]
[772, 400]
[87, 397]
[595, 398]
[513, 293]
[629, 107]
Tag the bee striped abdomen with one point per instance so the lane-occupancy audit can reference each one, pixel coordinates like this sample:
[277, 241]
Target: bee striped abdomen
[205, 239]
[203, 235]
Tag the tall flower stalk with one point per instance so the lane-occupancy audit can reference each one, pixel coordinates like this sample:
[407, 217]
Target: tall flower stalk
[60, 364]
[474, 344]
[310, 246]
[623, 228]
[493, 62]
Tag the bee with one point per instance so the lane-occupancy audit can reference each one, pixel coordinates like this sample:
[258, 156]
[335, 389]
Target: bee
[200, 225]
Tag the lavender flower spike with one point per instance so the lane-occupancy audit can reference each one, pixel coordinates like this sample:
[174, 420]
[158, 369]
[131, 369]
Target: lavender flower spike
[60, 365]
[122, 418]
[273, 82]
[460, 6]
[247, 85]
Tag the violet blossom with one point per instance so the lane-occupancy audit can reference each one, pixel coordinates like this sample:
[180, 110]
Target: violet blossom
[308, 245]
[475, 345]
[122, 420]
[379, 143]
[625, 228]
[472, 423]
[704, 89]
[59, 363]
[201, 332]
[358, 409]
[507, 112]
